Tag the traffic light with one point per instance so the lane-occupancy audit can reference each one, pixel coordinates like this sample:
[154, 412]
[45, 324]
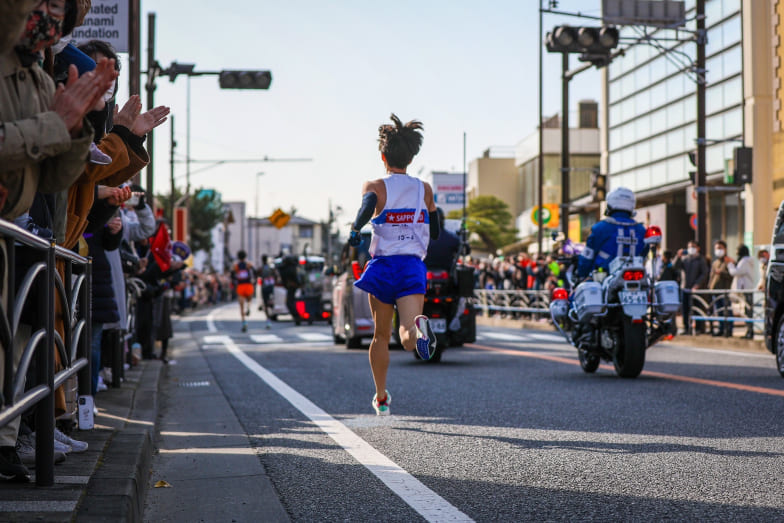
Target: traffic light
[593, 43]
[598, 186]
[279, 218]
[245, 79]
[742, 165]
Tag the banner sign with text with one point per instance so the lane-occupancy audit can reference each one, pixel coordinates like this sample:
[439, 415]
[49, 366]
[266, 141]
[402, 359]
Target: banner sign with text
[107, 21]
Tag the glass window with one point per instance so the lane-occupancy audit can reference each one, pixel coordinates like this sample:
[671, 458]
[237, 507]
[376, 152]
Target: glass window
[615, 139]
[306, 231]
[657, 68]
[675, 86]
[643, 102]
[642, 77]
[659, 147]
[715, 67]
[658, 121]
[642, 128]
[675, 141]
[733, 92]
[658, 95]
[714, 159]
[714, 99]
[713, 12]
[733, 122]
[615, 162]
[644, 152]
[731, 30]
[615, 90]
[675, 116]
[615, 114]
[715, 127]
[732, 61]
[627, 158]
[658, 174]
[676, 169]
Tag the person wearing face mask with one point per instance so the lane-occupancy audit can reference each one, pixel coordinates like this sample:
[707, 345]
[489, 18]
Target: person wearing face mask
[695, 271]
[743, 280]
[720, 279]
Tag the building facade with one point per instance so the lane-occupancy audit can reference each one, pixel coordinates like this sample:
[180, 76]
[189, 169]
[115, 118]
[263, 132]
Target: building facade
[650, 122]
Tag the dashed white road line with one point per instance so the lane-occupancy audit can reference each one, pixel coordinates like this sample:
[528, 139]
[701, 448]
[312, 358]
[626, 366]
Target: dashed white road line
[503, 336]
[424, 501]
[265, 338]
[314, 336]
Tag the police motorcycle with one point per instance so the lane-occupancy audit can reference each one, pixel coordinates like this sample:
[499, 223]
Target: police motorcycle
[617, 315]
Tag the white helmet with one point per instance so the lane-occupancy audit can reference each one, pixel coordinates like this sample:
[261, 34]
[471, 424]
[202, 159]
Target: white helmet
[621, 199]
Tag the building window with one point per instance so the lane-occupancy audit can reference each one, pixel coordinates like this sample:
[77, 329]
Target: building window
[306, 231]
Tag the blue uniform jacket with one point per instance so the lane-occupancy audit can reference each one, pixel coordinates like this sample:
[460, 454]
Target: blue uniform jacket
[612, 237]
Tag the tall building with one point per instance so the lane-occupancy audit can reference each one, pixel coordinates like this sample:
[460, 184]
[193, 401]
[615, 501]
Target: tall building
[650, 121]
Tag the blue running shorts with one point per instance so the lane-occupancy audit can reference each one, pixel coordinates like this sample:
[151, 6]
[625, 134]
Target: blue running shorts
[391, 277]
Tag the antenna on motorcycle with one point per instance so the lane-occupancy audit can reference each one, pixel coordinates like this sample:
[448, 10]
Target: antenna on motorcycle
[653, 235]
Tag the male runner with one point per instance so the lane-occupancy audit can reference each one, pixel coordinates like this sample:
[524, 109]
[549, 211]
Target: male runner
[242, 275]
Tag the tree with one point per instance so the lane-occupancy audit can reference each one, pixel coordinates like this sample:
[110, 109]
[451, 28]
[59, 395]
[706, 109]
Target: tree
[489, 218]
[205, 211]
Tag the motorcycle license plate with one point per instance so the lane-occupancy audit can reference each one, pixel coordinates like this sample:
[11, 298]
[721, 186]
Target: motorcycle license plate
[633, 298]
[438, 324]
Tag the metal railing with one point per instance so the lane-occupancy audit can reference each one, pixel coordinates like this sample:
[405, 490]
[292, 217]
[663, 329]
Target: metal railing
[43, 291]
[726, 306]
[515, 302]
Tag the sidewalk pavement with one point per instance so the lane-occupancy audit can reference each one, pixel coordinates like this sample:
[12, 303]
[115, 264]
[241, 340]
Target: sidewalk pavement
[108, 481]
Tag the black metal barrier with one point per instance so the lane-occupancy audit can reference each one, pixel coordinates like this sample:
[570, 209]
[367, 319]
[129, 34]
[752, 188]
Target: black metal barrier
[42, 288]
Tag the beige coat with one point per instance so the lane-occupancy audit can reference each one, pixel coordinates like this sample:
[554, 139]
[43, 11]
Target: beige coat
[37, 152]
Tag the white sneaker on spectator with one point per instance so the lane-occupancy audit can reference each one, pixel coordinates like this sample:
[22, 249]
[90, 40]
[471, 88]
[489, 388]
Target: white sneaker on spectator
[76, 445]
[59, 446]
[25, 449]
[101, 385]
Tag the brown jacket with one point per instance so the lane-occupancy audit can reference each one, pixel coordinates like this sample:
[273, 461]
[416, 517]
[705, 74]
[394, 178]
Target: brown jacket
[720, 277]
[126, 162]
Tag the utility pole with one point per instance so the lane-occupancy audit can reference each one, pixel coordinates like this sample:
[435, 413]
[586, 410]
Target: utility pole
[565, 77]
[540, 177]
[700, 181]
[151, 73]
[172, 146]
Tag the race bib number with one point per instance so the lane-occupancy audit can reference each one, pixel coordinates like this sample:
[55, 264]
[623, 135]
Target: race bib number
[243, 274]
[268, 281]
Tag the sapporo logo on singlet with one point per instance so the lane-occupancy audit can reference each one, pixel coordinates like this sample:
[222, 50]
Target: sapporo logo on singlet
[404, 217]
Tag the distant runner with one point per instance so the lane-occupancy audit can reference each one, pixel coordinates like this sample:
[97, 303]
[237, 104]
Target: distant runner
[404, 219]
[267, 279]
[242, 275]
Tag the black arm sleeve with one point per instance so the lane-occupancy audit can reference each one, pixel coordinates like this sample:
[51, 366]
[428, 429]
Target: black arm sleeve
[435, 226]
[369, 200]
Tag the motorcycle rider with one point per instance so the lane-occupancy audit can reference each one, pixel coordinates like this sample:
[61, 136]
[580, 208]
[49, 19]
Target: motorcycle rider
[617, 235]
[442, 251]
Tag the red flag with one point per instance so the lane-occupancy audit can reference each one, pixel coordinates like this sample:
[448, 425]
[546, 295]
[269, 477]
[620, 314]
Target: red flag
[161, 247]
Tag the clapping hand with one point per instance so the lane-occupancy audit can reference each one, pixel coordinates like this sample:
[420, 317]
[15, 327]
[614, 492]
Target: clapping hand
[79, 95]
[148, 121]
[129, 112]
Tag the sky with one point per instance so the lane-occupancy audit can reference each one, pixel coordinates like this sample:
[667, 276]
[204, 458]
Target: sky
[339, 69]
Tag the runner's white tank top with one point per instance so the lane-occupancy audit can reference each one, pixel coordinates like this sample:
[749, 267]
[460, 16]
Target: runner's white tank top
[395, 232]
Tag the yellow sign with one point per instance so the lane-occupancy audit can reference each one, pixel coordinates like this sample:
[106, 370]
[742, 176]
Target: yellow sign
[575, 229]
[549, 215]
[279, 218]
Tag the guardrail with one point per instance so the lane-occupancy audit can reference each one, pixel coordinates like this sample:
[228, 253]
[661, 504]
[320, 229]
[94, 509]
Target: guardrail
[725, 306]
[44, 289]
[512, 301]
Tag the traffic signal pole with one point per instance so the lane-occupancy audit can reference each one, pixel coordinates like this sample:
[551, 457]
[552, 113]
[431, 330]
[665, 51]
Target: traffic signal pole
[700, 182]
[565, 77]
[150, 87]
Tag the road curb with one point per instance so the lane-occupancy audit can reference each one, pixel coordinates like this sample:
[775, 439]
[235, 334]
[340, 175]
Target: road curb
[117, 488]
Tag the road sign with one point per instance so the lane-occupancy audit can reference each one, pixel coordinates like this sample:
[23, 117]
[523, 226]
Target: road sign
[693, 221]
[279, 218]
[549, 215]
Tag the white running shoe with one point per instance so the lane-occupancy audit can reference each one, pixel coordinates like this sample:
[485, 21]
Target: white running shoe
[426, 338]
[76, 445]
[382, 408]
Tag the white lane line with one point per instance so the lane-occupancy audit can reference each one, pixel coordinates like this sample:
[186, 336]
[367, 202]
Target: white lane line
[427, 503]
[546, 337]
[265, 338]
[503, 336]
[214, 339]
[314, 336]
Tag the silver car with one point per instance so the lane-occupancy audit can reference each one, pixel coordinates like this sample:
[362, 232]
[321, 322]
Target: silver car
[351, 319]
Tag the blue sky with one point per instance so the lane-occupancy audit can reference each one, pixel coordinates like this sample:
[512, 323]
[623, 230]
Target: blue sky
[339, 68]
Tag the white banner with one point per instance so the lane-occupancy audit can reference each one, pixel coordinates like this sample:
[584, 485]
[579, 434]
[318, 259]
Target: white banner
[106, 21]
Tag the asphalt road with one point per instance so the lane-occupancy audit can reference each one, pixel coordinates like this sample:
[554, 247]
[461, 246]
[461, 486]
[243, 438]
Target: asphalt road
[506, 429]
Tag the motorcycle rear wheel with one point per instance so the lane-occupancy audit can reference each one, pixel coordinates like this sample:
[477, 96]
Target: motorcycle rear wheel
[588, 362]
[629, 353]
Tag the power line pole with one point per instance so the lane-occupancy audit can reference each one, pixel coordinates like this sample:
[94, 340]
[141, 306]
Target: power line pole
[150, 87]
[540, 177]
[700, 181]
[564, 146]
